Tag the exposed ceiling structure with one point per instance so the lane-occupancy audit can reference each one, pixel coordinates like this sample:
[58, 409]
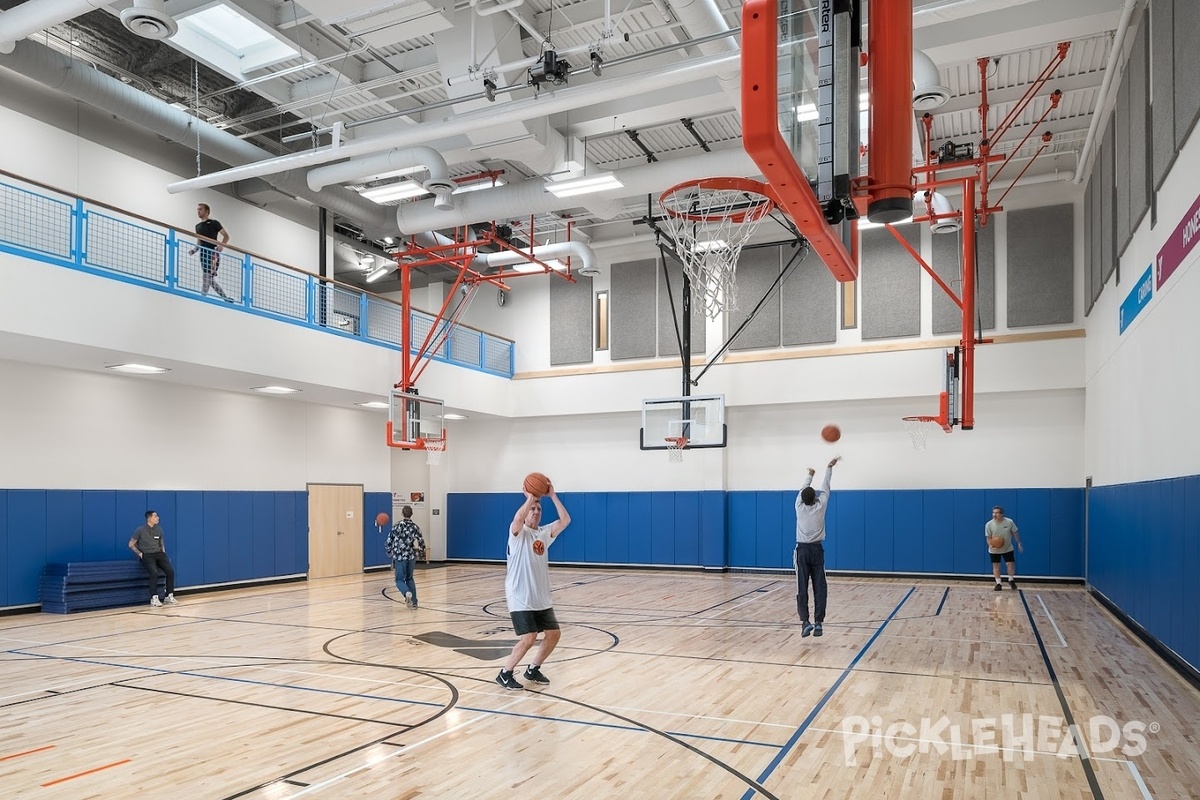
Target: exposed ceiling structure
[645, 88]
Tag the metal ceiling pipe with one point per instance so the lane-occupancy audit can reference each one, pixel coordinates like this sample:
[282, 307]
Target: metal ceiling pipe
[702, 18]
[78, 80]
[419, 157]
[515, 201]
[561, 100]
[37, 15]
[1108, 90]
[545, 252]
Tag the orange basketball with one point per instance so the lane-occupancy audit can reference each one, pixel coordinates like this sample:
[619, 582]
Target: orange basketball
[831, 433]
[382, 519]
[996, 542]
[537, 484]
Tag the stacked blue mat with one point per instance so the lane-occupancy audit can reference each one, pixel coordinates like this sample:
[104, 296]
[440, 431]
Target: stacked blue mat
[83, 585]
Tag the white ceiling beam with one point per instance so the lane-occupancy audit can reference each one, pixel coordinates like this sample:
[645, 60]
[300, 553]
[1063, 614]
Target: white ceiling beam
[1011, 94]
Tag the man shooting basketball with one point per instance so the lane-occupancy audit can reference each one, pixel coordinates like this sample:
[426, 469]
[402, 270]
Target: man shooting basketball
[527, 587]
[210, 249]
[811, 506]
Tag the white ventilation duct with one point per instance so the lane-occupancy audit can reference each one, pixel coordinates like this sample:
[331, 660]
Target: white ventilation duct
[928, 91]
[942, 205]
[149, 20]
[37, 15]
[601, 91]
[559, 250]
[392, 161]
[703, 18]
[530, 197]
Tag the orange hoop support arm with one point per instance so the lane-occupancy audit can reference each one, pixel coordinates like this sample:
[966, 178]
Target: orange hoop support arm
[761, 138]
[889, 81]
[967, 366]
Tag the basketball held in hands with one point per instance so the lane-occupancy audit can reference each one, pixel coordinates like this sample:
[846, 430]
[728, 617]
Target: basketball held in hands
[831, 433]
[537, 484]
[996, 542]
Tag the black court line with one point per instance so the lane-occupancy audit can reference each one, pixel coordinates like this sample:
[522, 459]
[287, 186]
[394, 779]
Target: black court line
[1084, 758]
[944, 596]
[783, 751]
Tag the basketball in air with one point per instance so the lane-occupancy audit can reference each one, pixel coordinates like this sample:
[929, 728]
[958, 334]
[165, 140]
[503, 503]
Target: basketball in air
[382, 519]
[831, 433]
[537, 484]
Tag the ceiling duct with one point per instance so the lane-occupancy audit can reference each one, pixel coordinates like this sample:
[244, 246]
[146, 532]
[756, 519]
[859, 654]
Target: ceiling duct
[149, 20]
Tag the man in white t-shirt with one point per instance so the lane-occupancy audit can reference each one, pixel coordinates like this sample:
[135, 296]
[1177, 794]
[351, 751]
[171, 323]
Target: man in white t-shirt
[1004, 530]
[527, 587]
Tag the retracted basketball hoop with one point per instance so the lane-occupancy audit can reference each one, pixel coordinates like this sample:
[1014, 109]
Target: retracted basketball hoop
[711, 219]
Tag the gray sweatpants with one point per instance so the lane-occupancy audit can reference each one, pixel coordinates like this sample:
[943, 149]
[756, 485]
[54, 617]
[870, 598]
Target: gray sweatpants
[810, 566]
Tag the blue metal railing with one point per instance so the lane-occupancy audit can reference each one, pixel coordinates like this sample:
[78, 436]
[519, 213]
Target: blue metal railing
[43, 224]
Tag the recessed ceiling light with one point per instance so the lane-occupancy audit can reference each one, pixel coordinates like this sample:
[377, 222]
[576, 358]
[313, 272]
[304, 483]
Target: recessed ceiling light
[137, 369]
[274, 389]
[373, 404]
[454, 416]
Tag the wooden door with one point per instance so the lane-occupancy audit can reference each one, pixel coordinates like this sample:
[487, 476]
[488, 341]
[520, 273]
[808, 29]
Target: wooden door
[335, 530]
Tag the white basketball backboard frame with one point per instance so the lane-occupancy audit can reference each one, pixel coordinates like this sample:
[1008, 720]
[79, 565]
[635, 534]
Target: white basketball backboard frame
[414, 421]
[699, 419]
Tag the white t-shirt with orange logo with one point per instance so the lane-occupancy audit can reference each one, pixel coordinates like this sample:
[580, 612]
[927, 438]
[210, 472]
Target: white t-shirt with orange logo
[527, 586]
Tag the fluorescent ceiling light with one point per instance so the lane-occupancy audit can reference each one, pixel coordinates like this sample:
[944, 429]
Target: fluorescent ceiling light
[587, 185]
[403, 190]
[454, 416]
[373, 404]
[274, 389]
[530, 266]
[378, 273]
[137, 369]
[476, 186]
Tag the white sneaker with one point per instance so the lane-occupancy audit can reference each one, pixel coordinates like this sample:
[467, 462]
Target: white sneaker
[408, 599]
[155, 602]
[170, 600]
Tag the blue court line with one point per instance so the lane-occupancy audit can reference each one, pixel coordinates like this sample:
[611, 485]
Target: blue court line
[944, 596]
[775, 762]
[402, 701]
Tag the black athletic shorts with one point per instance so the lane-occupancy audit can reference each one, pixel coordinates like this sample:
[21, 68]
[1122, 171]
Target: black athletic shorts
[1011, 555]
[533, 621]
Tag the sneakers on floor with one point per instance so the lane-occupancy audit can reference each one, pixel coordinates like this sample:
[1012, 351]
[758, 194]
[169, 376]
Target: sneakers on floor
[998, 588]
[534, 674]
[155, 602]
[506, 679]
[1012, 584]
[807, 630]
[818, 631]
[170, 600]
[408, 599]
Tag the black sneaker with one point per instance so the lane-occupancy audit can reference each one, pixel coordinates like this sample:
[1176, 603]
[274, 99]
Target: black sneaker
[807, 631]
[817, 631]
[1012, 585]
[534, 674]
[998, 588]
[506, 679]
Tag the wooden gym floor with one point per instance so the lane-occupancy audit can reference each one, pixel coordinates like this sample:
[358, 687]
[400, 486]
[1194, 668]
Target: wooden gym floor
[665, 684]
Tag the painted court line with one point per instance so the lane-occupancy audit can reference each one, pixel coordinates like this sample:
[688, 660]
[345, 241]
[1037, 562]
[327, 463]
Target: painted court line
[57, 781]
[1061, 638]
[27, 752]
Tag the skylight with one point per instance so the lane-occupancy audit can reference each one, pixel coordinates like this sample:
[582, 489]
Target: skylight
[225, 38]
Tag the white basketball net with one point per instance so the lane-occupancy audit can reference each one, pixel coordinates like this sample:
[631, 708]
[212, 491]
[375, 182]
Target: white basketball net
[710, 221]
[433, 451]
[675, 447]
[918, 428]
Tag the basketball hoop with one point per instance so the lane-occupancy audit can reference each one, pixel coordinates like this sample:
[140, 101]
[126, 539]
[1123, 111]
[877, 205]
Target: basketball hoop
[433, 451]
[675, 447]
[711, 219]
[918, 428]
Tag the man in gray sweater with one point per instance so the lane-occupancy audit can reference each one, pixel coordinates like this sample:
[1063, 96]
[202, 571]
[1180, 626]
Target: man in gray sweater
[811, 506]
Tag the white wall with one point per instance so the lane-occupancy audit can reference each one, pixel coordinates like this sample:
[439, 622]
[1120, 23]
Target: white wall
[1143, 387]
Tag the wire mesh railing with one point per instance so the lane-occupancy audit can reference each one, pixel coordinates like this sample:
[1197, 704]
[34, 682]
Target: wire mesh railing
[43, 224]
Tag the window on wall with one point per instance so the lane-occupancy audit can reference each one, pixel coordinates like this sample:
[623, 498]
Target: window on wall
[602, 320]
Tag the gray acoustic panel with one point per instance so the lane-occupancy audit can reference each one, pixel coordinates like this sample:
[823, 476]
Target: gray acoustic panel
[668, 341]
[1121, 164]
[1162, 79]
[1185, 22]
[809, 299]
[891, 284]
[571, 322]
[1108, 211]
[756, 272]
[631, 304]
[947, 263]
[1089, 224]
[1138, 75]
[1041, 266]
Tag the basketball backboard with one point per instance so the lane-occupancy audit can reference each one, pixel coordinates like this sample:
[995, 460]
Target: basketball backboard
[414, 422]
[700, 420]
